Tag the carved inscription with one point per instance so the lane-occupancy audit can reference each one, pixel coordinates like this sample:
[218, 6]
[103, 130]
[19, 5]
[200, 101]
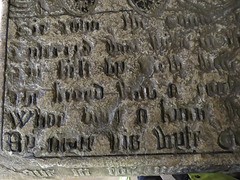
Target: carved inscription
[81, 172]
[55, 145]
[48, 173]
[124, 143]
[89, 78]
[176, 140]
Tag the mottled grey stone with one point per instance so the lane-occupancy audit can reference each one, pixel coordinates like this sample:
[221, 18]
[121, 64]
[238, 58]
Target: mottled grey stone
[113, 88]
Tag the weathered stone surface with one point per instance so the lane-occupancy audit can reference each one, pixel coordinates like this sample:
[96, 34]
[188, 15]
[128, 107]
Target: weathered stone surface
[112, 88]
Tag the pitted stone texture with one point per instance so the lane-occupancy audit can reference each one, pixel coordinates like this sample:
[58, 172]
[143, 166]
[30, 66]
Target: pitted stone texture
[114, 88]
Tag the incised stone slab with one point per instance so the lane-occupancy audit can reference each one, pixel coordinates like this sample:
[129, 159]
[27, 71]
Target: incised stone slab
[119, 87]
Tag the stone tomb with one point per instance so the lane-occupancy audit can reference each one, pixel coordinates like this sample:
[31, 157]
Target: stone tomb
[114, 88]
